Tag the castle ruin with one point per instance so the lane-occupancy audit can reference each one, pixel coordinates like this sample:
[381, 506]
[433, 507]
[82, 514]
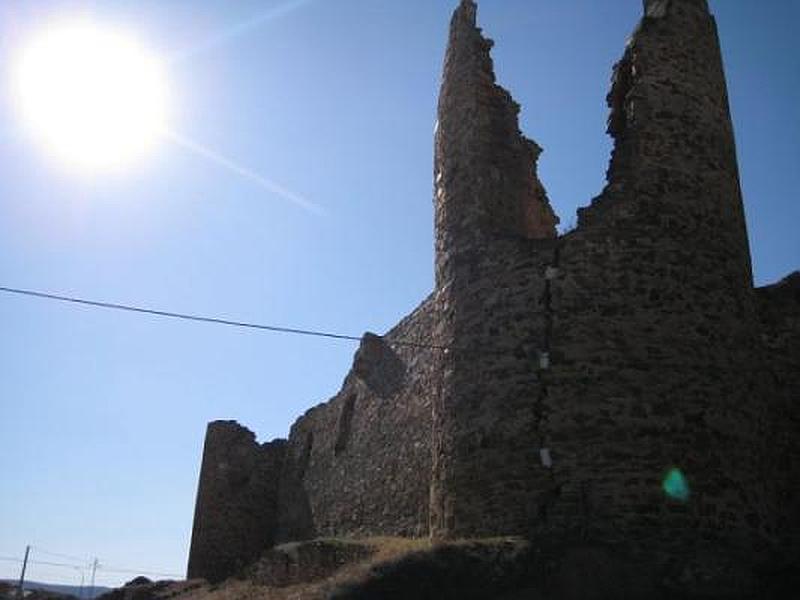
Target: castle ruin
[549, 381]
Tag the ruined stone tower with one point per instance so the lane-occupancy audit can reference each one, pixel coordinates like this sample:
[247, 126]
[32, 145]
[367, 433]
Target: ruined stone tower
[492, 219]
[238, 496]
[549, 382]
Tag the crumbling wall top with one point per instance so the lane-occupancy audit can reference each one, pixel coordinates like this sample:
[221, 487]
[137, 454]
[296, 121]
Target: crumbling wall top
[485, 168]
[657, 9]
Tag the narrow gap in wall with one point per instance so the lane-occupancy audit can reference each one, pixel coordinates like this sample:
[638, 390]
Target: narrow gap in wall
[345, 424]
[305, 458]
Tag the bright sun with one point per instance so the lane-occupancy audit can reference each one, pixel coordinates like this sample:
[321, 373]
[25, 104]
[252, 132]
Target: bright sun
[93, 96]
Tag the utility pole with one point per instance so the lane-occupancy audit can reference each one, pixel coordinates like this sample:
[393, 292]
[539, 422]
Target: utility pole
[91, 587]
[20, 592]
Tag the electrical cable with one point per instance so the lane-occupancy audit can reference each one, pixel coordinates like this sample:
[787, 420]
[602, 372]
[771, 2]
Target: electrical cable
[59, 555]
[280, 329]
[204, 319]
[43, 562]
[100, 567]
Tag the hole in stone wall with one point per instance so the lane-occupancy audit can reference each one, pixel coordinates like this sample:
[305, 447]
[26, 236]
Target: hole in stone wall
[620, 87]
[305, 457]
[656, 9]
[345, 424]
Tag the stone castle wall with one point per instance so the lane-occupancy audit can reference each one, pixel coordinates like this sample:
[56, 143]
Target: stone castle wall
[358, 464]
[549, 382]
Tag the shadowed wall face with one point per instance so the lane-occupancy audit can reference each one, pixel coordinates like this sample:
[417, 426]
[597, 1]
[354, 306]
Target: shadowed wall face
[657, 356]
[779, 312]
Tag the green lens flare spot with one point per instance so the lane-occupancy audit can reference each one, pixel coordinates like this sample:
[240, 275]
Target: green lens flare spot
[675, 485]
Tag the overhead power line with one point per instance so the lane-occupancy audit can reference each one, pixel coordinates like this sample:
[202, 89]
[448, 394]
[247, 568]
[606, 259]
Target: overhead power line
[205, 319]
[311, 332]
[175, 315]
[87, 566]
[45, 563]
[59, 555]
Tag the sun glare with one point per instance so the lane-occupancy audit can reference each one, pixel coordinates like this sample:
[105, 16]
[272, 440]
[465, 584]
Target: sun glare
[94, 97]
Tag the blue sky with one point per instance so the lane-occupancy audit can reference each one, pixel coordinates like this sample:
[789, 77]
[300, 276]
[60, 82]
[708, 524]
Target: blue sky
[102, 414]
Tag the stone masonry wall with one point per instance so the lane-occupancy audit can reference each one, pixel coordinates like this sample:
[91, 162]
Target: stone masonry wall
[360, 464]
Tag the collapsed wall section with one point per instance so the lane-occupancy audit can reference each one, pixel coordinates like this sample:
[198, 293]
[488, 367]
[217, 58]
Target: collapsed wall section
[360, 464]
[237, 501]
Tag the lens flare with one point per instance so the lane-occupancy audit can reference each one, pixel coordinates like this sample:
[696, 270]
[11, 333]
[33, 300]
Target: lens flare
[675, 485]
